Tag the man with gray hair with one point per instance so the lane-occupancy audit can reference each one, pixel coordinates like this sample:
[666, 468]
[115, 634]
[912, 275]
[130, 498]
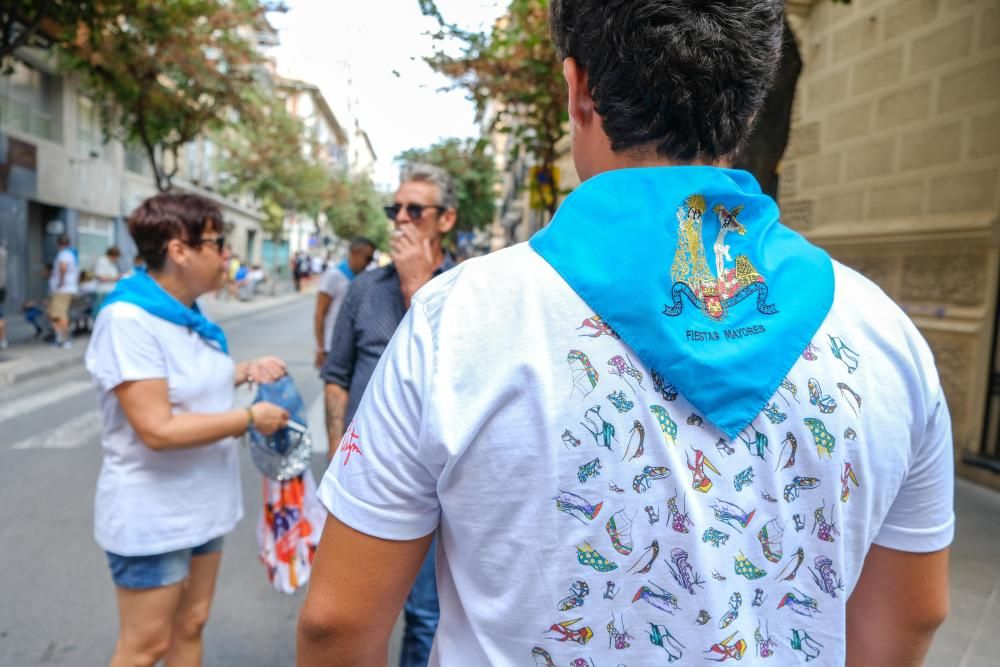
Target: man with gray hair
[423, 212]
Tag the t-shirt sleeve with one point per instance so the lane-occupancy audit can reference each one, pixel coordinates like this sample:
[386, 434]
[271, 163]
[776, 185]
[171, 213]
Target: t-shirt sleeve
[383, 480]
[339, 365]
[122, 349]
[921, 519]
[329, 284]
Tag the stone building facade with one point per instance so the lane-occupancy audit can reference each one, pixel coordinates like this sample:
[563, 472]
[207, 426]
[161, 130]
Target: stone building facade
[893, 166]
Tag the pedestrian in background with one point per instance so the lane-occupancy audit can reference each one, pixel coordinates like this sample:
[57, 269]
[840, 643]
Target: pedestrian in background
[107, 273]
[738, 450]
[333, 286]
[423, 212]
[64, 284]
[3, 293]
[169, 486]
[300, 269]
[233, 276]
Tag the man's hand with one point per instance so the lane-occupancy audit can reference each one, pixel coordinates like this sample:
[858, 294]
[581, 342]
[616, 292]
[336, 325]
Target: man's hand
[414, 260]
[320, 358]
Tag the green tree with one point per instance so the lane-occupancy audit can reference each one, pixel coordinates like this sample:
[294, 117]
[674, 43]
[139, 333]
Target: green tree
[355, 209]
[46, 22]
[269, 159]
[168, 71]
[474, 172]
[515, 69]
[513, 72]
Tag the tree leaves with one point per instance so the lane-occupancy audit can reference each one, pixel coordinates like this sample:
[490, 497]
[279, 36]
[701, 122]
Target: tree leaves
[474, 172]
[167, 71]
[512, 73]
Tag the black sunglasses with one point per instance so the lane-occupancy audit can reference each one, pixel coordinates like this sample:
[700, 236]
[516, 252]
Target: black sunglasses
[414, 211]
[218, 241]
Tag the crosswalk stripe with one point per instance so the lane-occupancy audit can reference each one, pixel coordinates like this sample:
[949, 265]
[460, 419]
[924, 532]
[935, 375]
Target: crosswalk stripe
[77, 432]
[41, 399]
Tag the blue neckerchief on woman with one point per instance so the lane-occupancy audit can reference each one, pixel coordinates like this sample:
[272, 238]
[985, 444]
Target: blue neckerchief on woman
[141, 290]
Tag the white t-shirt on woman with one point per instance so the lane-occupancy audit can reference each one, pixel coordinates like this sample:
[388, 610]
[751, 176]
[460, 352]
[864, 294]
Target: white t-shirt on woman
[152, 502]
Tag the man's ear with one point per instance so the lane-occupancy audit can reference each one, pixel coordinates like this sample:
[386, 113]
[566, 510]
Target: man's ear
[581, 104]
[447, 220]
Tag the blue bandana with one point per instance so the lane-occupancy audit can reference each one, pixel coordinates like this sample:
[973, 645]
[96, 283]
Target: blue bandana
[692, 268]
[345, 268]
[142, 291]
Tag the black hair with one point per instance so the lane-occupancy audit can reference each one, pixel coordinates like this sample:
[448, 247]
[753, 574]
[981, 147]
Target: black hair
[681, 78]
[361, 242]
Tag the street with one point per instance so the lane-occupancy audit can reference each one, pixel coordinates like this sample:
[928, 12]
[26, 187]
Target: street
[58, 601]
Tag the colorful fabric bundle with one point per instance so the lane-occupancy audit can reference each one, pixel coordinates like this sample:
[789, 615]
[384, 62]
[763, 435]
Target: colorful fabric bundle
[289, 530]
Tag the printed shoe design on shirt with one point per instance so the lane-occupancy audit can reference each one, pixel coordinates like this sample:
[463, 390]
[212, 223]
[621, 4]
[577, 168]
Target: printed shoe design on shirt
[463, 413]
[715, 502]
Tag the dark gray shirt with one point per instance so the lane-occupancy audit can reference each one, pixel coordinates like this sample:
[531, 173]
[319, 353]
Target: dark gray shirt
[373, 308]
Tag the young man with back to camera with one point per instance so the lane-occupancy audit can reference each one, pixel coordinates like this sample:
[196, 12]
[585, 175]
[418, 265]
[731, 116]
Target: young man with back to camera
[738, 448]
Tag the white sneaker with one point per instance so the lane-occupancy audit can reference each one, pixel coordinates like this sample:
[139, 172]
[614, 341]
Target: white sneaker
[66, 344]
[3, 344]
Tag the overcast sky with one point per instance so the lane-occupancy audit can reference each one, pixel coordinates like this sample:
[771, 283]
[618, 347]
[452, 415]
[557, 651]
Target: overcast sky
[377, 46]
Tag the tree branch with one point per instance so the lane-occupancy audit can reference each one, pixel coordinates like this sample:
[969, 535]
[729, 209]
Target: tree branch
[29, 28]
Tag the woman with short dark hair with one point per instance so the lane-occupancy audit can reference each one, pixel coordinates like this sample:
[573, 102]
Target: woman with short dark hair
[169, 487]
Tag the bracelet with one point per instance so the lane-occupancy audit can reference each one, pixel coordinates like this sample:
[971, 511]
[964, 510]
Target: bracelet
[249, 419]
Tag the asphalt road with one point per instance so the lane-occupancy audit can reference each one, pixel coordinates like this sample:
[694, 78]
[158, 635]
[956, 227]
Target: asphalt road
[56, 595]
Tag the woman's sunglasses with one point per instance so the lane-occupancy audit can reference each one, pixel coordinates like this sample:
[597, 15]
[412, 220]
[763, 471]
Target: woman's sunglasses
[218, 241]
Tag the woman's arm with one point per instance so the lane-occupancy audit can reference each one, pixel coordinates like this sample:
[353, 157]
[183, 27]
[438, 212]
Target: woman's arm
[146, 404]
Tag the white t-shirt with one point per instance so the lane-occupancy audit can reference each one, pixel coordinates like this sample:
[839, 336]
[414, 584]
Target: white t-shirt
[105, 268]
[71, 281]
[153, 502]
[334, 284]
[504, 447]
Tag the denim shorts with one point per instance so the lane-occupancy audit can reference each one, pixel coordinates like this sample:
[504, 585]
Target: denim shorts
[144, 572]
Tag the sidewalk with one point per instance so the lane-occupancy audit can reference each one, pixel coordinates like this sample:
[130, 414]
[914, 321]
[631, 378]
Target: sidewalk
[971, 635]
[28, 358]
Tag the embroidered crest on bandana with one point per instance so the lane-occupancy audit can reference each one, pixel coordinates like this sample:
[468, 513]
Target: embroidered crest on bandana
[714, 295]
[732, 282]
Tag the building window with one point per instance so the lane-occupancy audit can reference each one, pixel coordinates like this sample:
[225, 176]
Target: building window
[136, 159]
[192, 162]
[89, 134]
[29, 102]
[210, 164]
[95, 235]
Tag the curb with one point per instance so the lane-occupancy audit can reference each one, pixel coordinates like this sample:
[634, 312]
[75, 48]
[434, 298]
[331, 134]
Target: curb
[19, 370]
